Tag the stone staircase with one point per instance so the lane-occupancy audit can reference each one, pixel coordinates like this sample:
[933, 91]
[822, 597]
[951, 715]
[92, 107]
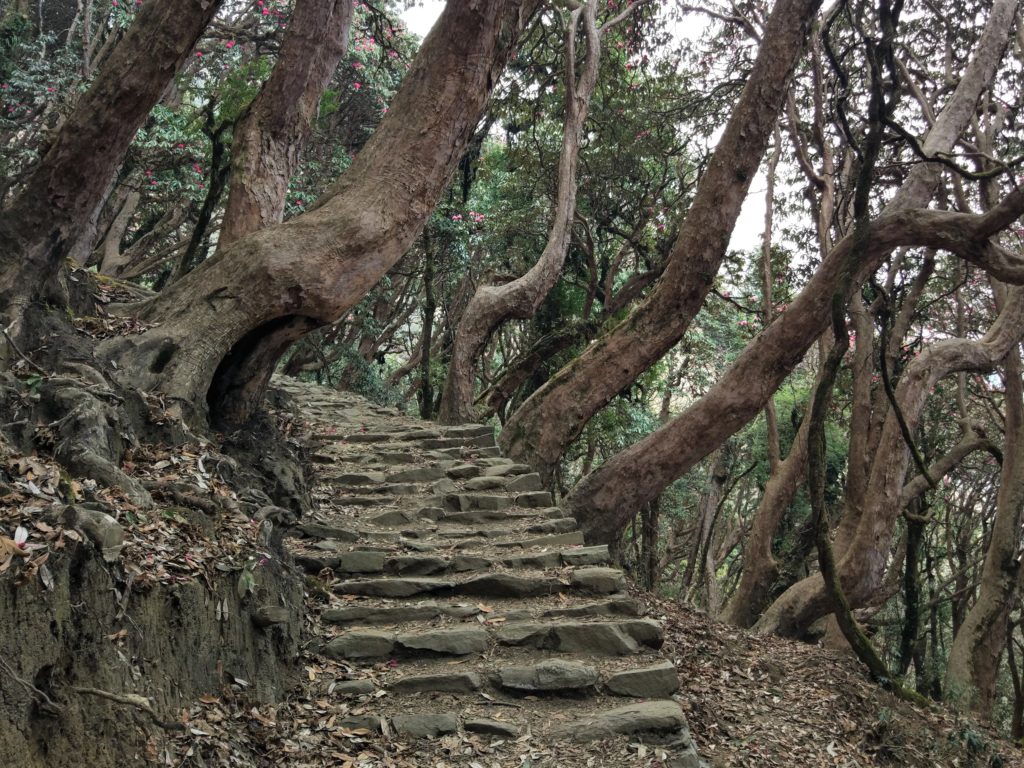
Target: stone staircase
[461, 601]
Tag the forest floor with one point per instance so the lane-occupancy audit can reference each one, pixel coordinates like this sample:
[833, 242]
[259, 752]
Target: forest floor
[749, 700]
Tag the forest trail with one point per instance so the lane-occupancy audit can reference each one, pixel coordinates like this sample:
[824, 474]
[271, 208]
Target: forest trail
[464, 607]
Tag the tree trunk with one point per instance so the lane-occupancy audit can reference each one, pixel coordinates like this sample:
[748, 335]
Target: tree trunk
[110, 248]
[760, 569]
[1017, 718]
[429, 306]
[493, 305]
[611, 494]
[911, 589]
[222, 328]
[973, 666]
[268, 141]
[556, 414]
[64, 192]
[707, 511]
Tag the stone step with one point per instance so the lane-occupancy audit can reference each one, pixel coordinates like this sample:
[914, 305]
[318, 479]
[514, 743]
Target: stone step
[662, 719]
[506, 469]
[599, 638]
[469, 452]
[374, 644]
[424, 474]
[549, 677]
[367, 613]
[419, 531]
[596, 638]
[461, 443]
[486, 516]
[658, 681]
[554, 540]
[382, 561]
[484, 484]
[588, 581]
[464, 471]
[468, 430]
[466, 501]
[356, 479]
[558, 525]
[659, 722]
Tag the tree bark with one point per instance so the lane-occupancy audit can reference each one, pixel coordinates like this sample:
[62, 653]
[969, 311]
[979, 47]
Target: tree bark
[222, 328]
[760, 569]
[62, 195]
[429, 307]
[556, 414]
[519, 299]
[268, 141]
[110, 248]
[973, 666]
[609, 496]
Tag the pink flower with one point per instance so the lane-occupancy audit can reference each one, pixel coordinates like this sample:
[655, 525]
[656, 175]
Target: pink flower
[357, 86]
[199, 54]
[230, 44]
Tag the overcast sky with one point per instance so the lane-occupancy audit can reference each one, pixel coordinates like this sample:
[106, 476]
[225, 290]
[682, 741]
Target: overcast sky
[747, 234]
[421, 17]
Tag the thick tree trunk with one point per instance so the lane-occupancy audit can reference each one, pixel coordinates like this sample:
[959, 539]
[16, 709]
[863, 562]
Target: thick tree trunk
[973, 666]
[611, 494]
[493, 305]
[223, 327]
[555, 415]
[268, 141]
[62, 195]
[863, 565]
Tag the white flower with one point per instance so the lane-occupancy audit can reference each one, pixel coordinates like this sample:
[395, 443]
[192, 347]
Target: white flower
[20, 537]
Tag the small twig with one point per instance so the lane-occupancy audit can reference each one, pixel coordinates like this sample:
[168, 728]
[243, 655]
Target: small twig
[493, 703]
[23, 356]
[131, 700]
[29, 687]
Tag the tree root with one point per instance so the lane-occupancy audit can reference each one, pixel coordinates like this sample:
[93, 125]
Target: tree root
[132, 700]
[179, 492]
